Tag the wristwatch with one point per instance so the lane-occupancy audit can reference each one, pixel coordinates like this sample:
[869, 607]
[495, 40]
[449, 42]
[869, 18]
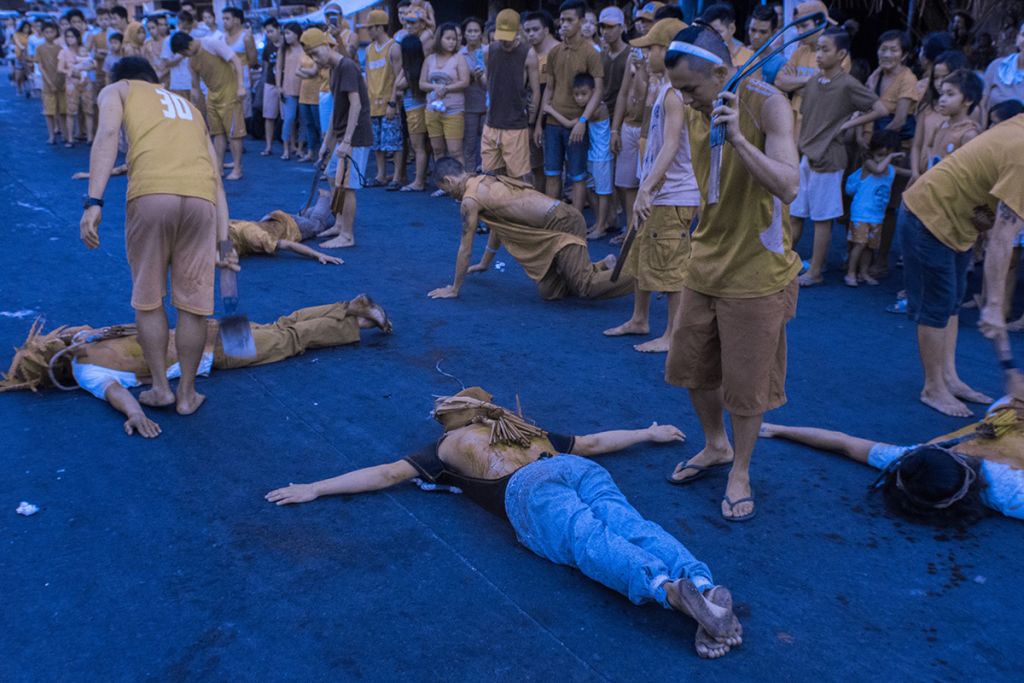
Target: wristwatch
[583, 119]
[92, 201]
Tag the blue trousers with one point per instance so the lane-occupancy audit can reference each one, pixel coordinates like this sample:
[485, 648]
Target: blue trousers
[569, 510]
[310, 117]
[289, 111]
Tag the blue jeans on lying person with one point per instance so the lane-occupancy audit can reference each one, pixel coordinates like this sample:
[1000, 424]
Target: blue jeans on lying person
[568, 509]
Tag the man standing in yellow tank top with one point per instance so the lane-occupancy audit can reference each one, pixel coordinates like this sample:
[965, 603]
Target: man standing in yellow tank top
[176, 215]
[729, 344]
[217, 65]
[382, 55]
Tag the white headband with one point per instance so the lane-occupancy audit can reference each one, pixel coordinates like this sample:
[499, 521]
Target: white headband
[694, 50]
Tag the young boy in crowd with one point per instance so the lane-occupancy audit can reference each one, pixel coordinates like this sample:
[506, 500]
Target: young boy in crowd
[871, 186]
[830, 99]
[565, 149]
[115, 50]
[599, 154]
[54, 100]
[959, 95]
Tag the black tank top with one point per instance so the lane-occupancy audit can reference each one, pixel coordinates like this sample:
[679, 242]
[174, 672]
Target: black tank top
[487, 493]
[506, 87]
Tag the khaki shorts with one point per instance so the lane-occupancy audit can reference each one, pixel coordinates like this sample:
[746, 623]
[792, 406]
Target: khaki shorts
[54, 103]
[271, 101]
[865, 233]
[416, 121]
[508, 149]
[447, 126]
[661, 249]
[738, 345]
[80, 98]
[226, 119]
[166, 230]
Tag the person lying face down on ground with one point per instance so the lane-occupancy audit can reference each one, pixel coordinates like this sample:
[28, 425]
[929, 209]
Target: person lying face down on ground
[112, 363]
[942, 482]
[563, 507]
[276, 230]
[547, 237]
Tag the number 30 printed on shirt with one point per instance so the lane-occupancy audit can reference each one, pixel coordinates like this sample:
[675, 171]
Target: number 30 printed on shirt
[175, 106]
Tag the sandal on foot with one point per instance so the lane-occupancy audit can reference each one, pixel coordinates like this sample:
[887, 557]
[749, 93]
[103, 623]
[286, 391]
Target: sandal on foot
[701, 471]
[392, 186]
[732, 505]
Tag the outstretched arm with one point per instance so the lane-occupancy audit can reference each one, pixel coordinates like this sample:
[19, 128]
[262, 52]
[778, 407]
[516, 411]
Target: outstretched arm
[303, 250]
[360, 481]
[621, 439]
[127, 405]
[470, 218]
[823, 439]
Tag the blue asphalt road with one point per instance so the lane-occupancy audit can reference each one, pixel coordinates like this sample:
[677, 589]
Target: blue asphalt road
[161, 559]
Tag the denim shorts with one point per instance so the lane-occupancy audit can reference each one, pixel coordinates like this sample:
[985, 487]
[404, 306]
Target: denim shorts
[935, 276]
[557, 149]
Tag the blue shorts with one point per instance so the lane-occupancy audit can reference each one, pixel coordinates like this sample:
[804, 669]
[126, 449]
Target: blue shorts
[387, 134]
[935, 276]
[557, 149]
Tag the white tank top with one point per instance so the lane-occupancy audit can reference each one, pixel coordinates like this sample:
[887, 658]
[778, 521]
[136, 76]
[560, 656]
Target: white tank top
[239, 47]
[680, 185]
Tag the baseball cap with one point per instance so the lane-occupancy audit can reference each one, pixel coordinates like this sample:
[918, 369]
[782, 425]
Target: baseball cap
[810, 7]
[612, 16]
[332, 9]
[313, 38]
[647, 11]
[661, 33]
[506, 25]
[377, 17]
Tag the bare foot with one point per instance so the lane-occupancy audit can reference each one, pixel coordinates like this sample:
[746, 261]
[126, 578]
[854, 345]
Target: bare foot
[1016, 326]
[709, 457]
[367, 309]
[593, 233]
[719, 623]
[947, 404]
[189, 404]
[867, 279]
[330, 232]
[339, 242]
[736, 490]
[966, 393]
[808, 280]
[157, 398]
[143, 425]
[628, 327]
[850, 280]
[235, 175]
[659, 345]
[608, 262]
[707, 645]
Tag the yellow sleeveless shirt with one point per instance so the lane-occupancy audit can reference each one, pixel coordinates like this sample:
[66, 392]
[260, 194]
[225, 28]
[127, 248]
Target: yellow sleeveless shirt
[741, 249]
[168, 146]
[380, 77]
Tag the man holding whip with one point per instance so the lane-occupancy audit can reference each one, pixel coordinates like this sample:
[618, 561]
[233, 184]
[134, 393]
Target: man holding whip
[729, 346]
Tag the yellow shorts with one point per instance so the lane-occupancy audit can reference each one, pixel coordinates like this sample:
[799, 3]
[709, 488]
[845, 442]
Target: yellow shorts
[661, 249]
[447, 126]
[54, 103]
[416, 121]
[865, 233]
[505, 149]
[226, 119]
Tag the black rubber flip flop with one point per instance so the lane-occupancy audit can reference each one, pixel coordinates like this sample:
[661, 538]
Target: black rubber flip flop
[701, 471]
[732, 505]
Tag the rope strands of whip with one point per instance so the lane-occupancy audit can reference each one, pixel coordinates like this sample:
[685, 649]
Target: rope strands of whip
[506, 427]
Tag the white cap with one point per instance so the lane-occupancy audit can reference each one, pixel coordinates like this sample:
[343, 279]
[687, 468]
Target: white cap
[612, 15]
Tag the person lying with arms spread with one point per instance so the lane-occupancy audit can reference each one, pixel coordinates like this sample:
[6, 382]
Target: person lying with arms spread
[563, 507]
[108, 361]
[948, 481]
